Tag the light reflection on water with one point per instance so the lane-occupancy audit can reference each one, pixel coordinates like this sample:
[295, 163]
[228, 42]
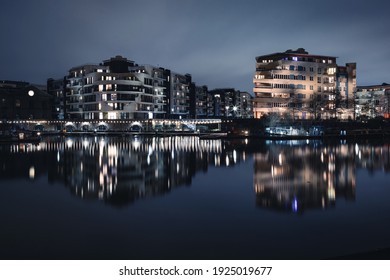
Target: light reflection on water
[251, 182]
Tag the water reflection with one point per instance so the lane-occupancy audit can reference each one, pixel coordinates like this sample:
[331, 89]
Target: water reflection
[118, 170]
[295, 176]
[291, 176]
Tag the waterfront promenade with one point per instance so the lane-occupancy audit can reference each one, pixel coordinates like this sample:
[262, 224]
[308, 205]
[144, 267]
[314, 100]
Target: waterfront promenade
[205, 128]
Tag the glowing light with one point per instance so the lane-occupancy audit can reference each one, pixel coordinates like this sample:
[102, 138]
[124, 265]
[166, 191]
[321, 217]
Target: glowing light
[69, 143]
[31, 93]
[295, 205]
[31, 172]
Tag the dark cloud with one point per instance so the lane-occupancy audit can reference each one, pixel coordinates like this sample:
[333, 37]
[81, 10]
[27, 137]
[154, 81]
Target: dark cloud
[215, 41]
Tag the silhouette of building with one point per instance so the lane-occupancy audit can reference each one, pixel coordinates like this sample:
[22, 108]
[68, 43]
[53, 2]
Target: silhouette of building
[22, 100]
[57, 89]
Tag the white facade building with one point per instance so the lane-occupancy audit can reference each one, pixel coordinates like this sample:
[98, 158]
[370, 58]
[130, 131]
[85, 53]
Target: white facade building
[298, 85]
[116, 89]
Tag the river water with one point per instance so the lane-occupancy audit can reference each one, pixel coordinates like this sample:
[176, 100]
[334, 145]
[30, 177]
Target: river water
[191, 198]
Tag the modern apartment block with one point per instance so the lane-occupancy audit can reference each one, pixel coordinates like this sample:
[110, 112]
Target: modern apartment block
[178, 97]
[116, 89]
[245, 105]
[298, 85]
[229, 103]
[198, 101]
[372, 101]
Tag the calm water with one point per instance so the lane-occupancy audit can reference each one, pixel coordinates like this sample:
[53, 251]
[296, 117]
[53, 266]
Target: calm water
[191, 198]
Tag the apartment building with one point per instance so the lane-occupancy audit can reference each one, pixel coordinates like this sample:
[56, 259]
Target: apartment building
[116, 89]
[229, 103]
[372, 101]
[198, 101]
[179, 90]
[298, 85]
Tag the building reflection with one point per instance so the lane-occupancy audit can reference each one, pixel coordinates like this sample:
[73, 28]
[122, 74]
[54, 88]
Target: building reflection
[291, 176]
[119, 170]
[297, 176]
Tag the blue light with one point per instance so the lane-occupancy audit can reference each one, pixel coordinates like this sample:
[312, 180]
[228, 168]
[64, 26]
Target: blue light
[295, 205]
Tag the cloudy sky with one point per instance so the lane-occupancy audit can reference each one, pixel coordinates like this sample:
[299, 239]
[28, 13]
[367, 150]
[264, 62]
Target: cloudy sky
[215, 41]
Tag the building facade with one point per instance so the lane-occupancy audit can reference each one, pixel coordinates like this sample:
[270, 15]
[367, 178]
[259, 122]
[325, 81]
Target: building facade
[198, 101]
[56, 88]
[372, 101]
[24, 101]
[115, 89]
[119, 88]
[245, 106]
[179, 90]
[299, 85]
[229, 103]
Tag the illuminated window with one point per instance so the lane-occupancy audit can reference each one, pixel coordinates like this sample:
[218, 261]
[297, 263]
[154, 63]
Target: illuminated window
[259, 77]
[331, 70]
[112, 115]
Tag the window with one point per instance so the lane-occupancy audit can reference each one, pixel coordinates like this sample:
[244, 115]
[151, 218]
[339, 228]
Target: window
[259, 77]
[319, 70]
[311, 78]
[311, 69]
[319, 80]
[331, 70]
[311, 87]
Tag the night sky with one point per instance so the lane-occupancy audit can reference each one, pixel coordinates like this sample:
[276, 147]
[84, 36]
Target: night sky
[215, 41]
